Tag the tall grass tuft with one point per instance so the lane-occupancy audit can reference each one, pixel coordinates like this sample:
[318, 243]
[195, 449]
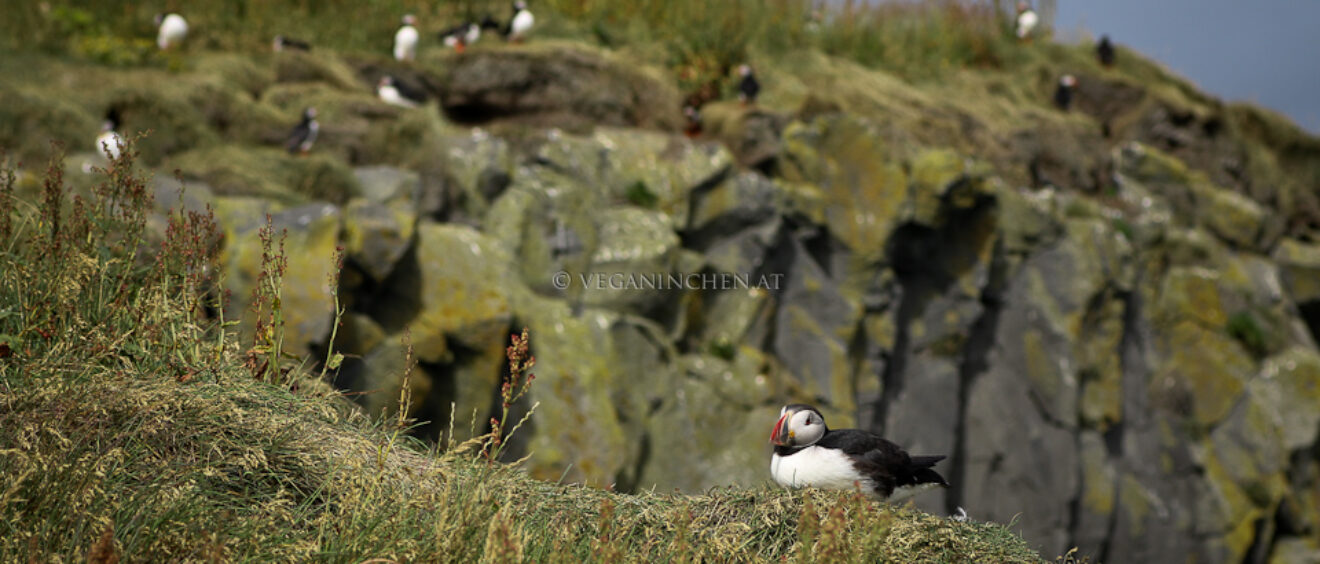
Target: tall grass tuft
[265, 358]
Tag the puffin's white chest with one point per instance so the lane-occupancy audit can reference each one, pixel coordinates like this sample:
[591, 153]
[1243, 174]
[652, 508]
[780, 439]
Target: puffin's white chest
[405, 43]
[1026, 22]
[522, 23]
[313, 129]
[390, 95]
[173, 29]
[817, 467]
[108, 144]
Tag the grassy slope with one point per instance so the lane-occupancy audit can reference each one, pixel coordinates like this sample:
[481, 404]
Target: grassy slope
[235, 469]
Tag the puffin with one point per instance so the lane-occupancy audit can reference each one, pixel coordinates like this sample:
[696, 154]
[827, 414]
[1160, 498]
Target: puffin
[810, 454]
[693, 114]
[405, 40]
[395, 93]
[304, 134]
[172, 29]
[1104, 51]
[109, 142]
[1026, 20]
[1063, 95]
[521, 23]
[748, 87]
[460, 36]
[282, 43]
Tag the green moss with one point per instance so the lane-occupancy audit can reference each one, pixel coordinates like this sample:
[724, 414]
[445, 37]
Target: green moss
[1244, 327]
[639, 195]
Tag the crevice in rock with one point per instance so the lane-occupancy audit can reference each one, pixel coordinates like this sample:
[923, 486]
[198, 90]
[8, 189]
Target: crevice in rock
[1262, 542]
[476, 113]
[396, 300]
[975, 361]
[516, 445]
[927, 261]
[628, 479]
[1132, 351]
[1310, 312]
[436, 411]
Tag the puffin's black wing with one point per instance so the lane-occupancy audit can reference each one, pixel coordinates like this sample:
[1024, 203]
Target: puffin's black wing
[459, 29]
[297, 136]
[883, 461]
[857, 442]
[407, 90]
[750, 87]
[296, 44]
[1063, 97]
[1105, 51]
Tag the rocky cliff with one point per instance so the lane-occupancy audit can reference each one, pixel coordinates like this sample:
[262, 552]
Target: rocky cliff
[1106, 318]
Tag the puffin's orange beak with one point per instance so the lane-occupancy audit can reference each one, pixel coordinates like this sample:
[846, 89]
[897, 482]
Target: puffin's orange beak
[781, 429]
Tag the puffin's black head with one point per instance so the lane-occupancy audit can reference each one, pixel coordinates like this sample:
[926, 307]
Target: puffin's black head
[799, 425]
[519, 6]
[309, 114]
[111, 119]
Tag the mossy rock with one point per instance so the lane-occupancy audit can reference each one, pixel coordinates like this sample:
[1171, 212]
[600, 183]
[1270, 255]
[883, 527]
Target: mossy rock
[864, 192]
[557, 84]
[635, 247]
[1299, 265]
[318, 66]
[1202, 374]
[376, 235]
[463, 294]
[269, 173]
[579, 433]
[1289, 387]
[30, 121]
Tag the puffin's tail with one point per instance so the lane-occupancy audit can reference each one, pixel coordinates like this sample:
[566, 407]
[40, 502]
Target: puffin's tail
[922, 472]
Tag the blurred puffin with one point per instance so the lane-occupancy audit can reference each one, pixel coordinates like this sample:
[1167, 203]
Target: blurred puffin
[109, 142]
[303, 136]
[282, 43]
[398, 94]
[460, 36]
[172, 28]
[809, 454]
[693, 115]
[521, 23]
[748, 87]
[1104, 51]
[1063, 95]
[1026, 20]
[405, 40]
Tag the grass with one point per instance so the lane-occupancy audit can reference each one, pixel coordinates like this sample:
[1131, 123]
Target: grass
[133, 424]
[701, 41]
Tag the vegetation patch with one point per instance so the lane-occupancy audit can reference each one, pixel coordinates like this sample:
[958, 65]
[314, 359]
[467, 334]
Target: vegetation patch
[134, 423]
